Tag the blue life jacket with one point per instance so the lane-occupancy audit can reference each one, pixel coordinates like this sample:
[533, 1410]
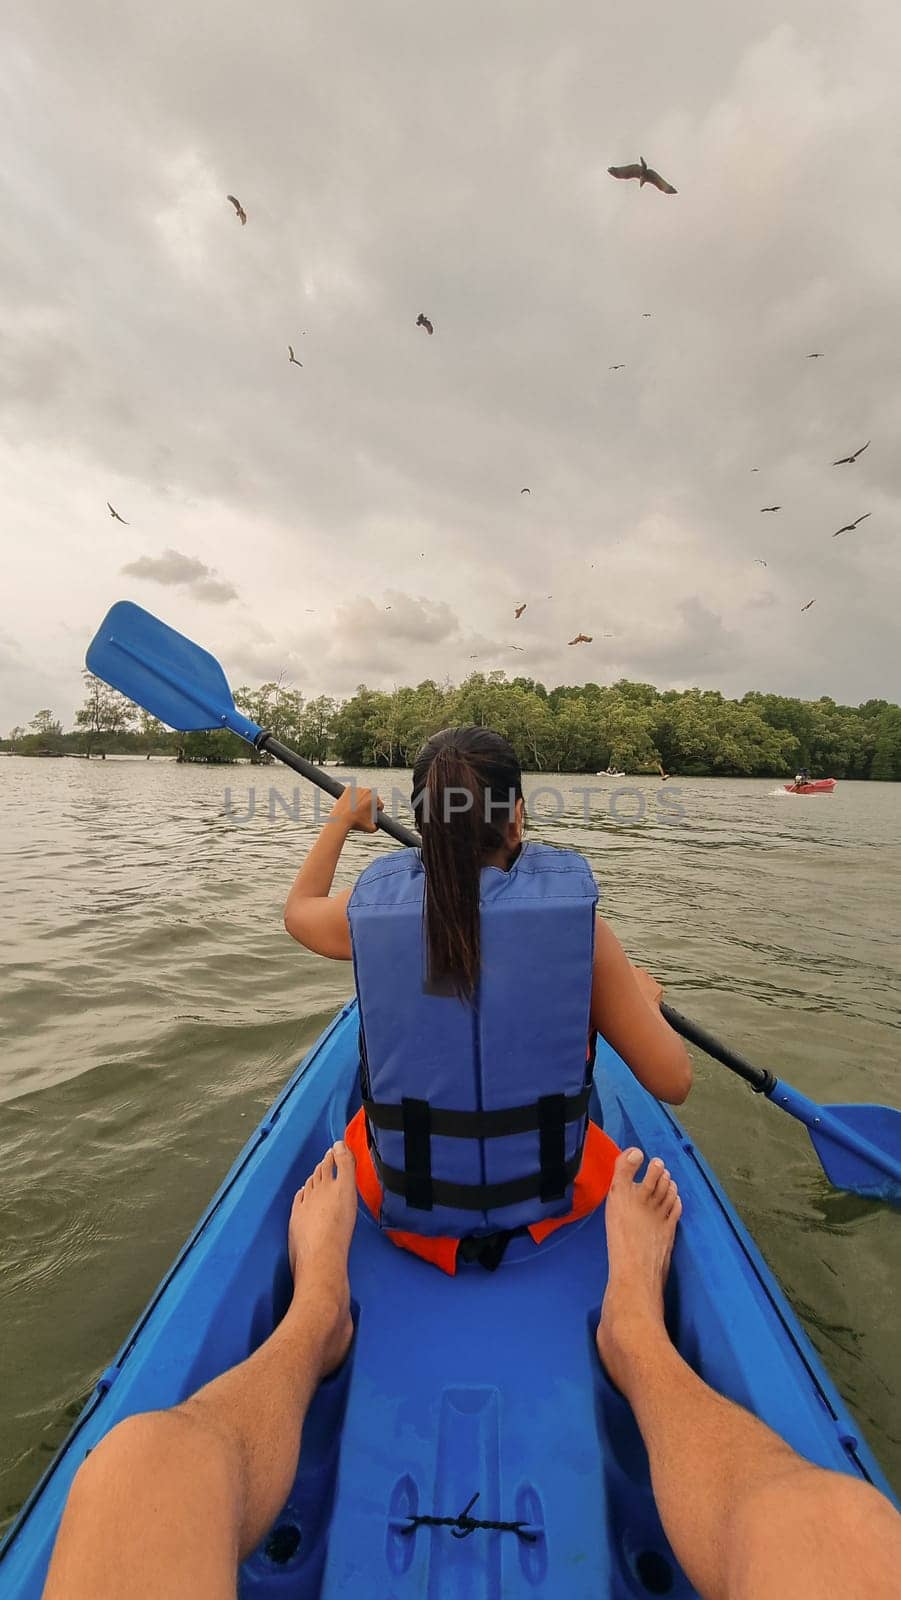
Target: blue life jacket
[477, 1110]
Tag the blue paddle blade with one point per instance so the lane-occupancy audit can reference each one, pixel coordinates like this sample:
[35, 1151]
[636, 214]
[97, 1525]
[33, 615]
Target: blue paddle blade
[859, 1146]
[170, 676]
[855, 1145]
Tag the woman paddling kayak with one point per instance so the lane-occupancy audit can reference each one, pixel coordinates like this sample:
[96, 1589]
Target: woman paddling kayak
[482, 973]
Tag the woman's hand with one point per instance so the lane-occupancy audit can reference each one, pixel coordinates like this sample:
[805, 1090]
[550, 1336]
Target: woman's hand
[649, 987]
[356, 808]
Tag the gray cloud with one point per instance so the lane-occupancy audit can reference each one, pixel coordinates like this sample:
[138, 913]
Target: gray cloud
[172, 569]
[393, 161]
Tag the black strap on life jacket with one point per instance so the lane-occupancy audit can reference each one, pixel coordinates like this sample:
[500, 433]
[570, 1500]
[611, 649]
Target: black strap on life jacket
[427, 1192]
[419, 1122]
[550, 1110]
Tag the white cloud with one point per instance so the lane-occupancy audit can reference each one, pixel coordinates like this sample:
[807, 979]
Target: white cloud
[456, 165]
[172, 569]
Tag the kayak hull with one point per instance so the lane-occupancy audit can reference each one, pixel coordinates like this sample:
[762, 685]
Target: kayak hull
[484, 1384]
[816, 786]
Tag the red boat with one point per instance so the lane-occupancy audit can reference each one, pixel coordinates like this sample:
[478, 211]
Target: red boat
[813, 786]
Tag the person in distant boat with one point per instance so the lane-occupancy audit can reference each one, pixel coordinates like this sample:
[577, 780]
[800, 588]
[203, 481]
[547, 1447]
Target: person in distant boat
[802, 777]
[170, 1503]
[474, 1124]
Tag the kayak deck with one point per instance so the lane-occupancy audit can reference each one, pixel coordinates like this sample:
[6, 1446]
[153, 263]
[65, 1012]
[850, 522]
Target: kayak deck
[483, 1385]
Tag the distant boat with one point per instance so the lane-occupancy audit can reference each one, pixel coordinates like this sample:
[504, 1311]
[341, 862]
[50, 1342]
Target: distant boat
[608, 772]
[813, 786]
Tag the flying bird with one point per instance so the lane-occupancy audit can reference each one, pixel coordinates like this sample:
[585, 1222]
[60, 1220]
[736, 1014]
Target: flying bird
[241, 213]
[814, 355]
[647, 313]
[516, 647]
[292, 356]
[114, 513]
[755, 469]
[639, 169]
[422, 321]
[770, 508]
[525, 491]
[518, 610]
[850, 526]
[758, 562]
[850, 460]
[618, 367]
[808, 605]
[581, 638]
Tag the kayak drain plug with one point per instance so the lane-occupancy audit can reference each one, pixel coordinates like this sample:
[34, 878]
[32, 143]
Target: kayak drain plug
[654, 1572]
[283, 1543]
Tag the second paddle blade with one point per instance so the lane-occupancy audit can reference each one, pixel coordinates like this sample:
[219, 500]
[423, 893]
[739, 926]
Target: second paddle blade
[170, 676]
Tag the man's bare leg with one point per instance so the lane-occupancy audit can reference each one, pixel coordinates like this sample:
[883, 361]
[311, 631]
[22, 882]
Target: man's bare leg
[747, 1518]
[170, 1502]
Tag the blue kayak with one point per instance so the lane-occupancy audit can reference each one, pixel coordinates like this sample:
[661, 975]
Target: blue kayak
[480, 1392]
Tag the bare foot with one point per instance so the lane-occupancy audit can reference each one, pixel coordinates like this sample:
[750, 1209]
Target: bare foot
[641, 1227]
[319, 1234]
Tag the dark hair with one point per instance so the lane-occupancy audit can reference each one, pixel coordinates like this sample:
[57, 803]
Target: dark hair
[466, 782]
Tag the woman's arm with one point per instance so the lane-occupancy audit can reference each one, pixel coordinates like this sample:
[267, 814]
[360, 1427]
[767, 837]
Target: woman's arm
[625, 1008]
[314, 916]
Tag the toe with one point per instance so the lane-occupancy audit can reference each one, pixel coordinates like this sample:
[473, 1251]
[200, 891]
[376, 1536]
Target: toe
[652, 1178]
[625, 1167]
[343, 1159]
[672, 1205]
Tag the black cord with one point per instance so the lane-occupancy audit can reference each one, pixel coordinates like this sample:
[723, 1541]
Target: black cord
[463, 1525]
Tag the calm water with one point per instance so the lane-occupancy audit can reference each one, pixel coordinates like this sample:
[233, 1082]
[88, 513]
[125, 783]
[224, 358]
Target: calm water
[152, 1005]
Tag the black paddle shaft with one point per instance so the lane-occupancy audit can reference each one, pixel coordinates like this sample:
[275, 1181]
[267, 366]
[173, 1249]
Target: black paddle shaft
[761, 1081]
[332, 786]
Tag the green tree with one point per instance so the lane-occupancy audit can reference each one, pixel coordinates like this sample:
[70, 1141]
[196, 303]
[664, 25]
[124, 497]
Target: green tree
[215, 748]
[104, 715]
[277, 708]
[315, 728]
[886, 767]
[152, 734]
[45, 737]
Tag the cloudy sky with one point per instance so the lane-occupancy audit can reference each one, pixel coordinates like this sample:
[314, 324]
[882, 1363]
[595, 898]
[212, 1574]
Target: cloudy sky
[397, 157]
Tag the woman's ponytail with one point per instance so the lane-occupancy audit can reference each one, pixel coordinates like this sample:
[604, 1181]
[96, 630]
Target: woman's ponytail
[466, 782]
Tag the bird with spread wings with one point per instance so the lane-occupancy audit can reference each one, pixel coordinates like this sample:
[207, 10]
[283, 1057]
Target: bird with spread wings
[850, 460]
[850, 526]
[239, 209]
[639, 169]
[581, 638]
[422, 321]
